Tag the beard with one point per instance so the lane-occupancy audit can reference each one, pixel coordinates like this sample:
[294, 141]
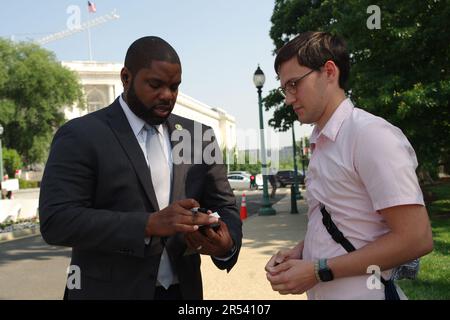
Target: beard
[147, 112]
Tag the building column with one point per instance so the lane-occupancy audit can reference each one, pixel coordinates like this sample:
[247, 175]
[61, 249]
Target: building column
[111, 95]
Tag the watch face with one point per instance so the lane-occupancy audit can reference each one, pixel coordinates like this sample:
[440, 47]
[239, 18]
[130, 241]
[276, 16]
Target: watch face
[325, 275]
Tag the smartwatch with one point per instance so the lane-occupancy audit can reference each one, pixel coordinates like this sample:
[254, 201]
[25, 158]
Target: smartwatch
[324, 271]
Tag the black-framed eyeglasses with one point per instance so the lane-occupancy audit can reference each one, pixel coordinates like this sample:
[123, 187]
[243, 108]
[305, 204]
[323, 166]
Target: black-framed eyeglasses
[291, 85]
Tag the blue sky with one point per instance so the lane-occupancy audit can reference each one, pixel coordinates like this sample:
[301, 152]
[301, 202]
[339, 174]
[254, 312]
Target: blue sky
[220, 43]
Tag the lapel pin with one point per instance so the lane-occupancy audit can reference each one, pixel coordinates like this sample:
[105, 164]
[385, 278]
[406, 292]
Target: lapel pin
[178, 126]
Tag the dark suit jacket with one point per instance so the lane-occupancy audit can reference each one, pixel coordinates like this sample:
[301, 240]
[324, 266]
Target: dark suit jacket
[96, 196]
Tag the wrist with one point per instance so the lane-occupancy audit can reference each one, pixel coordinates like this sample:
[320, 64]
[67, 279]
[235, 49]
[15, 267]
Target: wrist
[149, 226]
[316, 270]
[230, 252]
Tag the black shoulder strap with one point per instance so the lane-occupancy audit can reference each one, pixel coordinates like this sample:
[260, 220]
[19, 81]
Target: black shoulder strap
[338, 236]
[333, 230]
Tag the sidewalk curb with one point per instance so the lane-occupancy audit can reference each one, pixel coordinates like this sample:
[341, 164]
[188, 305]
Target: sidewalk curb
[19, 234]
[27, 190]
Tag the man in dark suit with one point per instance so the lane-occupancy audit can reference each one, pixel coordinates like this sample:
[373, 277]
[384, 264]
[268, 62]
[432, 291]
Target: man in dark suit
[115, 190]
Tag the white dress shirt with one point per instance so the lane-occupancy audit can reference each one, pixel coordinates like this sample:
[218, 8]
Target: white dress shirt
[137, 125]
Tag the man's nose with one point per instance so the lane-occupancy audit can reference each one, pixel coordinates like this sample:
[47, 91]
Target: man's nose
[167, 94]
[289, 99]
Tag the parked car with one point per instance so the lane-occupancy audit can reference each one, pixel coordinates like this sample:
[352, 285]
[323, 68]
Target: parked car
[286, 177]
[239, 181]
[257, 179]
[240, 172]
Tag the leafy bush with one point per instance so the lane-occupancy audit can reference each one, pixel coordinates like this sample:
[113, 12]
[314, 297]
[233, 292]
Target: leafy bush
[8, 223]
[28, 184]
[11, 161]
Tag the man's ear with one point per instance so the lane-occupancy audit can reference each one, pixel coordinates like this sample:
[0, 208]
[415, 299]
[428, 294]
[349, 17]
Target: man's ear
[125, 76]
[332, 71]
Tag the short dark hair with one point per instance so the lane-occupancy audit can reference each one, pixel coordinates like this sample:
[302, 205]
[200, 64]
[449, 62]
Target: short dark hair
[313, 50]
[144, 50]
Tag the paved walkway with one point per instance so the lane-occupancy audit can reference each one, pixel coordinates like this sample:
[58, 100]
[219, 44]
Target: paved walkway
[30, 269]
[263, 237]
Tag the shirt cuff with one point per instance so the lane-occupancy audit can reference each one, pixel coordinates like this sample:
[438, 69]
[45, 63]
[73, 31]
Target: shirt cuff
[232, 252]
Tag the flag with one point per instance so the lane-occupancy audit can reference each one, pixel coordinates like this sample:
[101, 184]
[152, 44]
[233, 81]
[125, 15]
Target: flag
[91, 7]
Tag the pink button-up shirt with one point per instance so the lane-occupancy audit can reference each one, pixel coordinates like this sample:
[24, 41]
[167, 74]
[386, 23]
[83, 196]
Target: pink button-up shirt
[360, 164]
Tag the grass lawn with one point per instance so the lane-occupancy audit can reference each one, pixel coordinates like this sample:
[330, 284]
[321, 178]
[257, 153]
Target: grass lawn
[433, 281]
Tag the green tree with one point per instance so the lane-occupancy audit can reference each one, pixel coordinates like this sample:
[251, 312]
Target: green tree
[400, 72]
[240, 160]
[11, 161]
[283, 116]
[34, 89]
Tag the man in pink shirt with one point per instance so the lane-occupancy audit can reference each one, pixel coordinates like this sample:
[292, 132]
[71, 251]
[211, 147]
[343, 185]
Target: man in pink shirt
[362, 170]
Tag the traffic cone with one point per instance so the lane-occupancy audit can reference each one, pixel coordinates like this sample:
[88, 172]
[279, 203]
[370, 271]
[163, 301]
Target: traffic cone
[243, 212]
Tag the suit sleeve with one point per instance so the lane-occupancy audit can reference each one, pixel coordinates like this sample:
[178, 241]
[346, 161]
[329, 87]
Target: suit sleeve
[219, 197]
[66, 210]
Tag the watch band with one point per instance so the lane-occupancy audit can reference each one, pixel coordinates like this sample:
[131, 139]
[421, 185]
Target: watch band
[325, 273]
[323, 264]
[316, 270]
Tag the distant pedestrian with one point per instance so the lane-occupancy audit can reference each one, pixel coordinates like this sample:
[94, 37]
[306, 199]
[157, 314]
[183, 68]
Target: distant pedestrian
[253, 184]
[273, 183]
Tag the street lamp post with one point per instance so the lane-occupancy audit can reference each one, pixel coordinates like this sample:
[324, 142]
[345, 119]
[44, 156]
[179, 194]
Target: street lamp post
[266, 207]
[298, 194]
[303, 144]
[295, 193]
[1, 154]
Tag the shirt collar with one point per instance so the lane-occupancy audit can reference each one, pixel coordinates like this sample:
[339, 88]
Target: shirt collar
[334, 124]
[136, 123]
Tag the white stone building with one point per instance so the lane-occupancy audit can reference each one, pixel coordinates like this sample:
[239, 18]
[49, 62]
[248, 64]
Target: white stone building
[101, 84]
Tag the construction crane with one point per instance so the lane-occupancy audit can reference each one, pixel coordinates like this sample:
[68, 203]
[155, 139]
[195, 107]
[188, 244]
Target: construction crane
[84, 26]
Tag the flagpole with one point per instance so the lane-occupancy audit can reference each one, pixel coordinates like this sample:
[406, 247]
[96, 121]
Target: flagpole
[89, 38]
[89, 30]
